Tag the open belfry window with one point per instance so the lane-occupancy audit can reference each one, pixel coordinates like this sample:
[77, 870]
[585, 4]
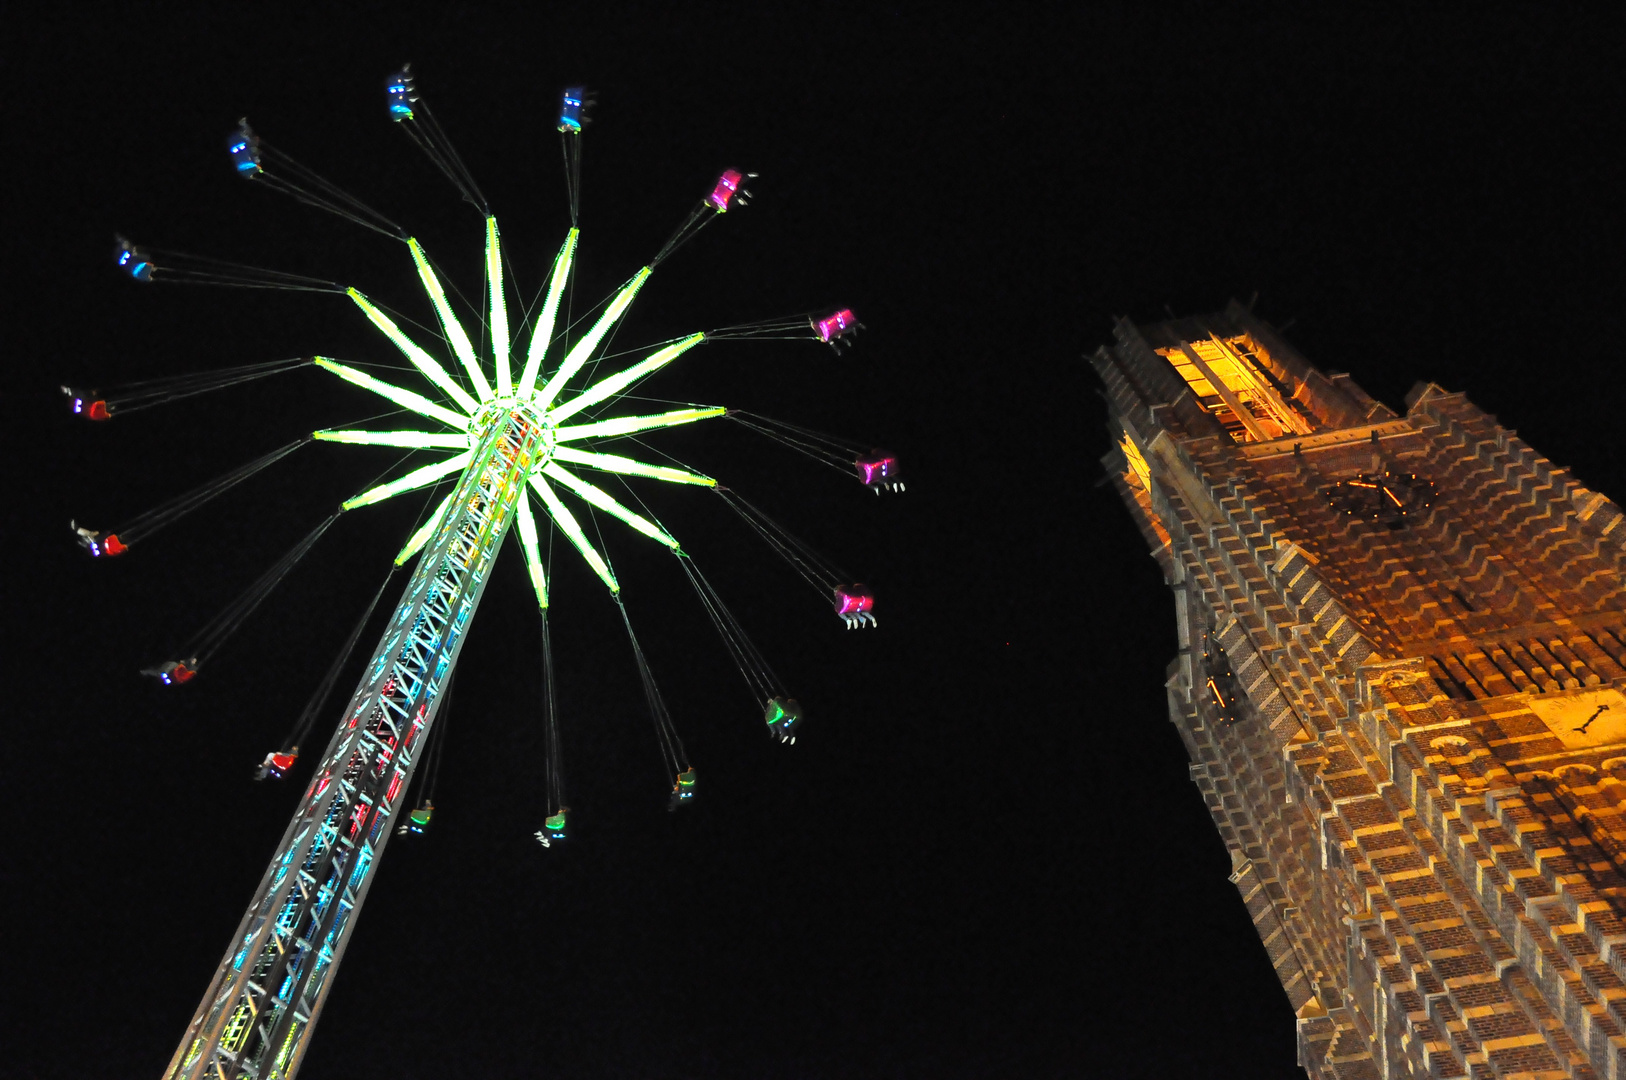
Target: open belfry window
[1138, 480]
[1136, 461]
[1231, 380]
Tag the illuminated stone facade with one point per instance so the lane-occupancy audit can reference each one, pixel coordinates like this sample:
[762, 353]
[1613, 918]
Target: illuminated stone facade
[1402, 657]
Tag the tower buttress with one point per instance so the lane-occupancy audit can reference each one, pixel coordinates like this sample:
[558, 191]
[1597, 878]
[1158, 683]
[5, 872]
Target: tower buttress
[1401, 681]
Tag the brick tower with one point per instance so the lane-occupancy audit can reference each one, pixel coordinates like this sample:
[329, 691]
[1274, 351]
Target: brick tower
[1402, 657]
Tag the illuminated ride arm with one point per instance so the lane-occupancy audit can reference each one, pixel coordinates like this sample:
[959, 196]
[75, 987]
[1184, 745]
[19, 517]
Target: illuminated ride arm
[630, 425]
[617, 464]
[448, 320]
[412, 481]
[413, 439]
[542, 336]
[592, 493]
[566, 521]
[533, 553]
[407, 399]
[583, 349]
[499, 308]
[410, 349]
[612, 385]
[418, 539]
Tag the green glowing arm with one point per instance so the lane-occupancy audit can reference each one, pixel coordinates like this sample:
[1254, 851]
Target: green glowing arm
[420, 439]
[421, 537]
[533, 554]
[583, 349]
[420, 359]
[412, 481]
[453, 328]
[614, 384]
[616, 464]
[405, 398]
[543, 334]
[627, 425]
[566, 521]
[596, 495]
[499, 308]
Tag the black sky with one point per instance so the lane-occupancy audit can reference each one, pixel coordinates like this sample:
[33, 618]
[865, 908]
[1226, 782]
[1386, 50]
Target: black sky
[984, 858]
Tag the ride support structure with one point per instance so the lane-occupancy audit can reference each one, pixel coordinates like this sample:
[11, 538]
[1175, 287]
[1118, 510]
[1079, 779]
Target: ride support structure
[538, 432]
[265, 997]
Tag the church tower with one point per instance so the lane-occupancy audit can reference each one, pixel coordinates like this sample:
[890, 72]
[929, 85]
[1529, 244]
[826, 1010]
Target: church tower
[1402, 651]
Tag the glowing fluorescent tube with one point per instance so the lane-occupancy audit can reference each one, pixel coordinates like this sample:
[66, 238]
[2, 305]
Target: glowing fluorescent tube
[598, 497]
[417, 439]
[628, 425]
[533, 554]
[499, 308]
[614, 384]
[448, 321]
[404, 398]
[412, 481]
[583, 349]
[543, 334]
[566, 521]
[420, 359]
[421, 537]
[615, 463]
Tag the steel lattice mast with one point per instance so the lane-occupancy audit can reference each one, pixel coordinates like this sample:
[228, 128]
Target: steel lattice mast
[257, 1015]
[509, 441]
[254, 1022]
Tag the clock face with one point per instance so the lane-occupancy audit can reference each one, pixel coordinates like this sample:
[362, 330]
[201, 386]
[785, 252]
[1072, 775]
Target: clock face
[1583, 719]
[1387, 498]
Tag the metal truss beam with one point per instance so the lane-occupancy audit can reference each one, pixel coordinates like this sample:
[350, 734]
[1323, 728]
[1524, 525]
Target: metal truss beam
[255, 1021]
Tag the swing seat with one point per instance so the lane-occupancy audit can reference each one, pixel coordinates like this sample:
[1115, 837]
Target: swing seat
[244, 150]
[783, 714]
[836, 325]
[728, 185]
[683, 790]
[878, 469]
[400, 89]
[570, 109]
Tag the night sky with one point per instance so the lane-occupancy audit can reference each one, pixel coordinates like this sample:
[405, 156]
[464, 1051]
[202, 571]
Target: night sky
[983, 857]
